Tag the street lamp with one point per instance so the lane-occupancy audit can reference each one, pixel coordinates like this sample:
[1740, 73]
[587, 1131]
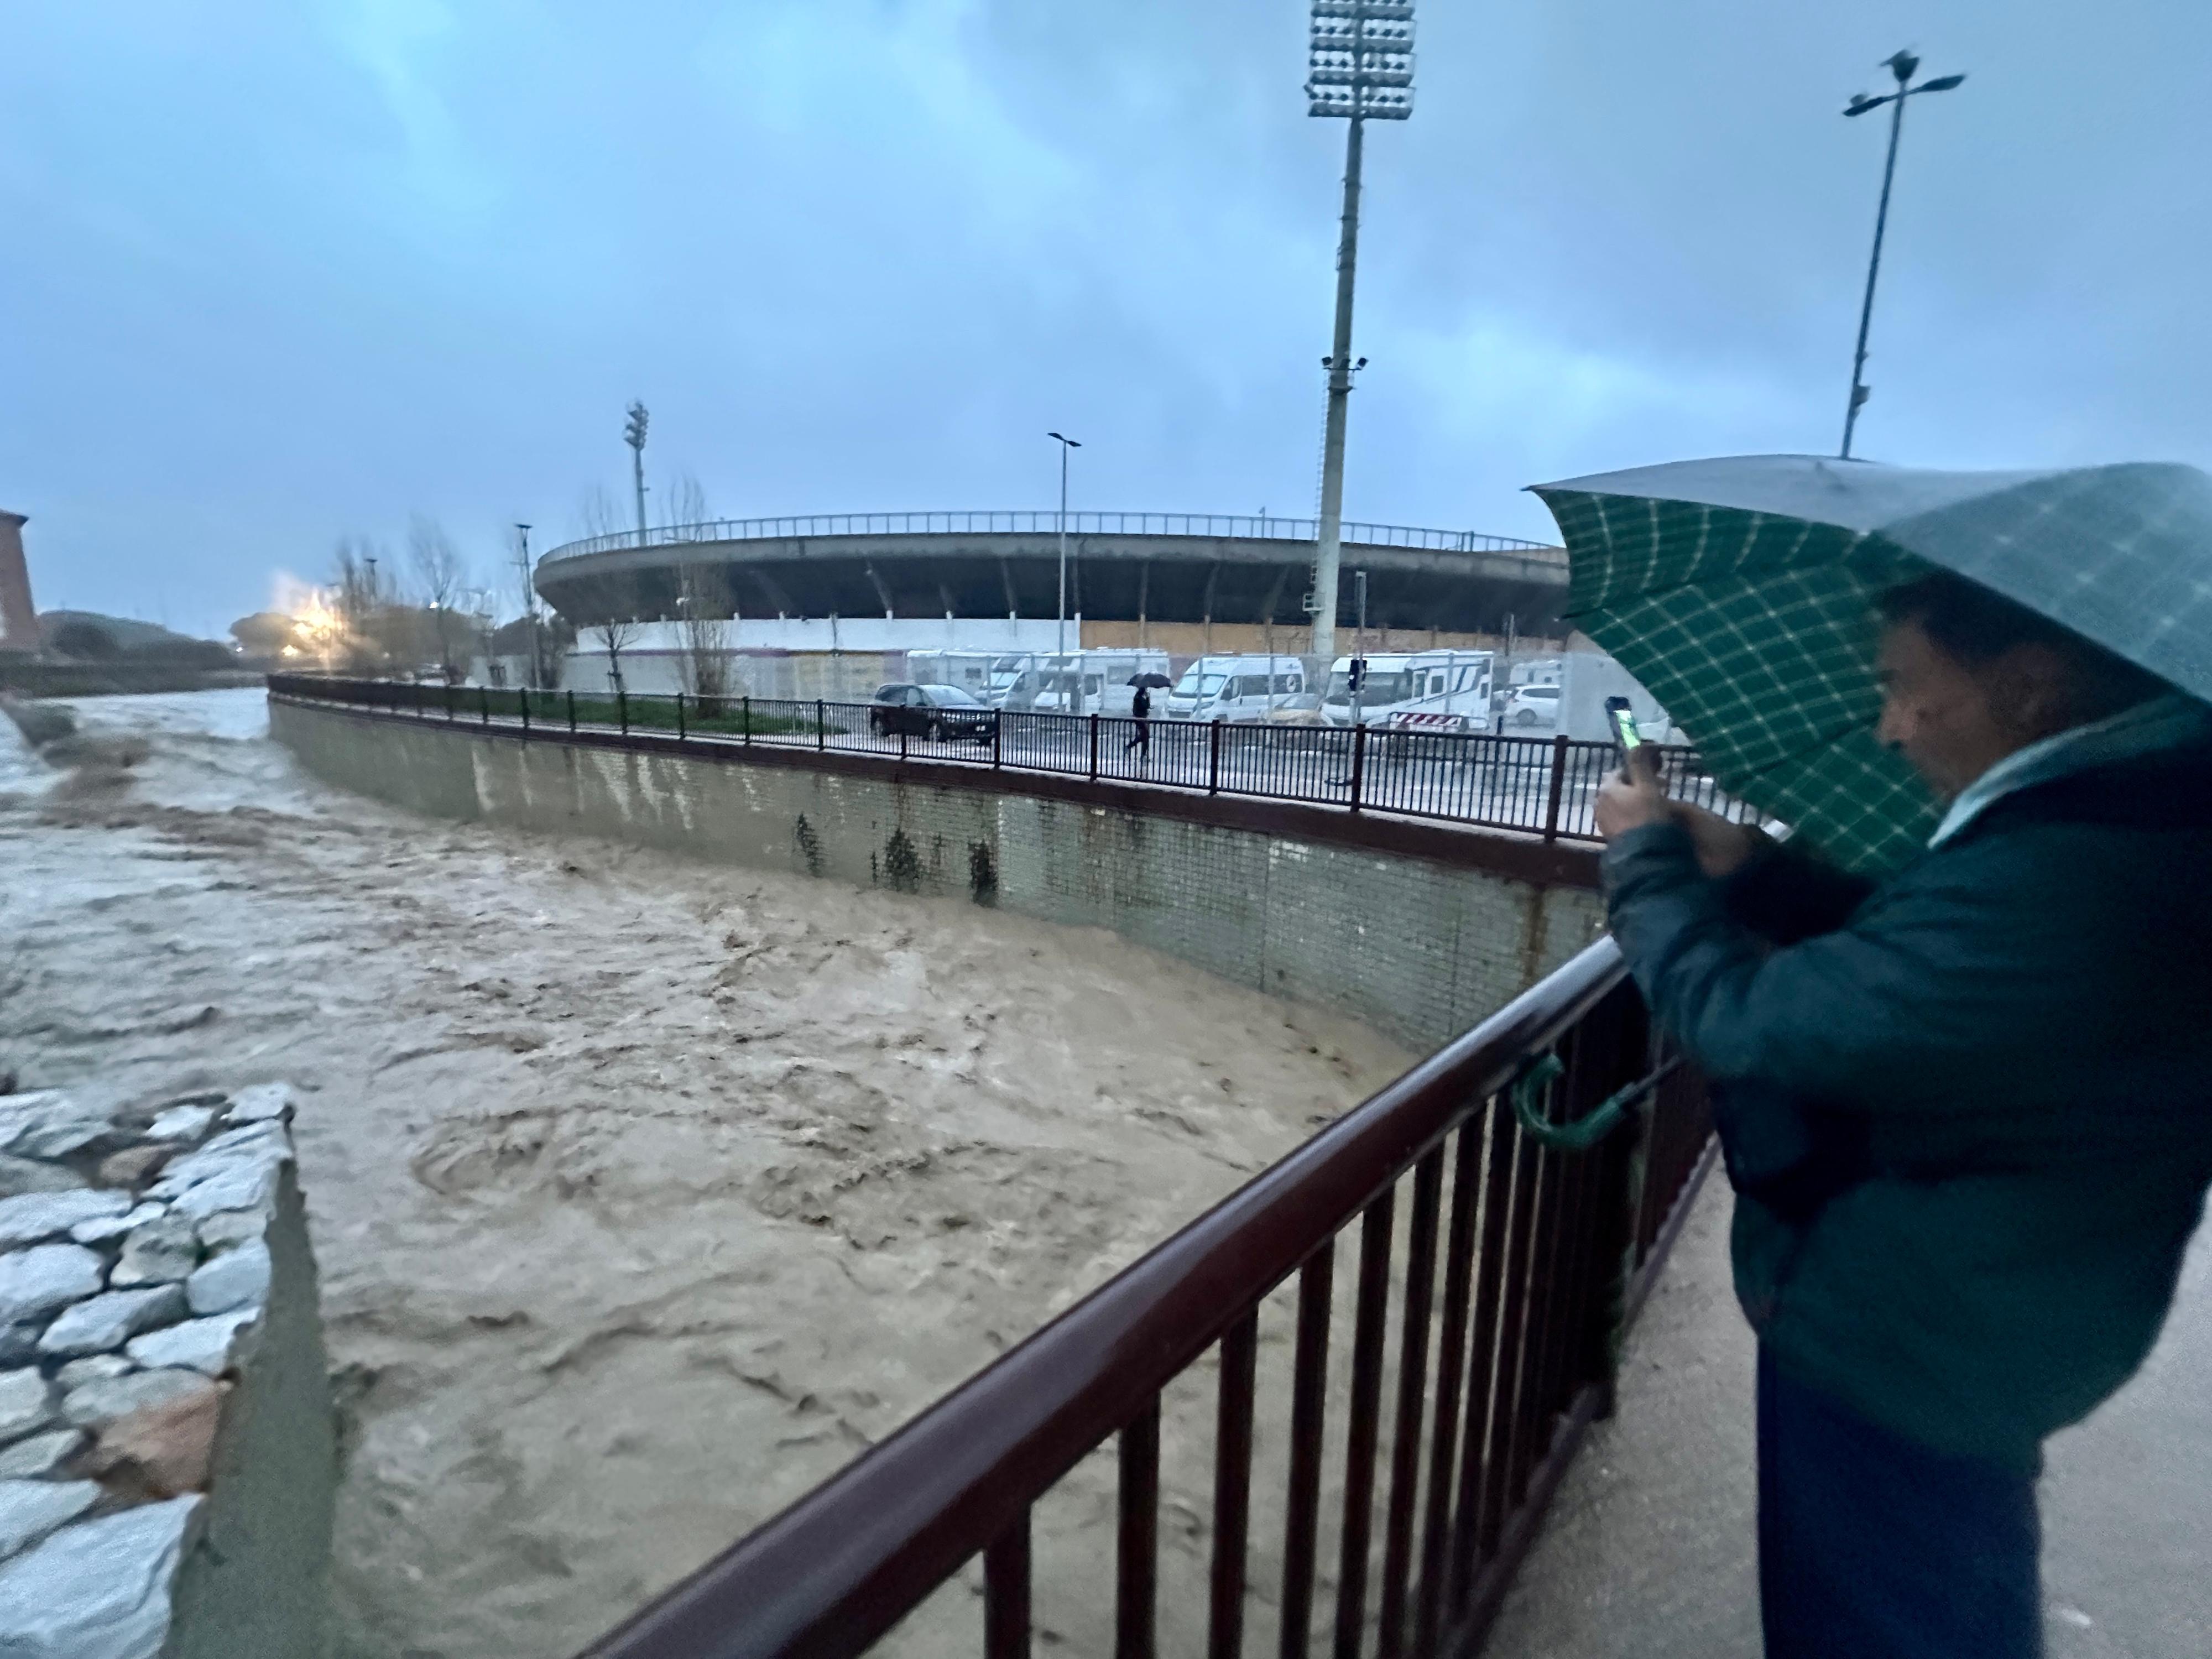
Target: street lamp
[1360, 68]
[1066, 444]
[529, 604]
[634, 435]
[1903, 66]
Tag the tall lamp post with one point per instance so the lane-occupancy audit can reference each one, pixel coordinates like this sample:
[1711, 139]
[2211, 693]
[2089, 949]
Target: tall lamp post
[529, 606]
[634, 435]
[1903, 66]
[1360, 68]
[1066, 444]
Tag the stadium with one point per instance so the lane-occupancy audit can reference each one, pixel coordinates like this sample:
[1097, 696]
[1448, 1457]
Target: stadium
[1182, 582]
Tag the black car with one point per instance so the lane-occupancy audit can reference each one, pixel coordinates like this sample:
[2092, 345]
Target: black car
[939, 712]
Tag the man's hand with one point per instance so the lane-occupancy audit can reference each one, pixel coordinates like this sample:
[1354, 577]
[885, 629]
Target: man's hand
[1631, 798]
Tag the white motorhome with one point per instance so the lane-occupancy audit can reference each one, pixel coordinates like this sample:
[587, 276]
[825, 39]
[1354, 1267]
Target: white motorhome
[1415, 691]
[971, 671]
[1093, 682]
[1233, 688]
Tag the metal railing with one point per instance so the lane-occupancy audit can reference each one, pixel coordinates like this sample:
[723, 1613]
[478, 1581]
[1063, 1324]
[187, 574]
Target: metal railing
[1025, 522]
[1545, 787]
[1492, 1274]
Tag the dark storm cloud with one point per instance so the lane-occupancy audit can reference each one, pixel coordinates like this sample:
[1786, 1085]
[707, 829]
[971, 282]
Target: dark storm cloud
[279, 272]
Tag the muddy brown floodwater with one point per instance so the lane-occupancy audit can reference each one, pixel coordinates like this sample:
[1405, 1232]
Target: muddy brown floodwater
[645, 1193]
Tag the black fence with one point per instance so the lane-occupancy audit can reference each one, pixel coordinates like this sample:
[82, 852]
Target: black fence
[1543, 786]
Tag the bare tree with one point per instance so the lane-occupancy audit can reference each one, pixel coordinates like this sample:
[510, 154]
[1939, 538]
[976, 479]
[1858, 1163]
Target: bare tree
[615, 634]
[597, 515]
[687, 506]
[438, 578]
[705, 611]
[359, 601]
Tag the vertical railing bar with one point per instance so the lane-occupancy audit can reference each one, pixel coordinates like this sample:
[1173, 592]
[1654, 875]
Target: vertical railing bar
[1006, 1592]
[1136, 1558]
[1451, 1369]
[1368, 1323]
[1412, 1383]
[1232, 1487]
[1521, 1449]
[1308, 1395]
[1513, 1280]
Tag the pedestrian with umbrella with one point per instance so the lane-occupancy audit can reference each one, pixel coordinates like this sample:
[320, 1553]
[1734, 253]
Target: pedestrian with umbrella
[1141, 709]
[1960, 1022]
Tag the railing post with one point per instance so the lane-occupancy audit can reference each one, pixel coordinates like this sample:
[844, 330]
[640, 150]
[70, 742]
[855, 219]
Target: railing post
[749, 722]
[1558, 787]
[483, 703]
[622, 708]
[451, 699]
[821, 726]
[679, 717]
[1094, 749]
[572, 712]
[1358, 761]
[523, 694]
[1214, 760]
[1006, 1593]
[997, 724]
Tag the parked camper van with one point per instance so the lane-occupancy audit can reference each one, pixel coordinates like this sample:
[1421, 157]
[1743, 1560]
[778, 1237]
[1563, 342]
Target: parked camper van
[1240, 688]
[1095, 682]
[969, 670]
[1417, 692]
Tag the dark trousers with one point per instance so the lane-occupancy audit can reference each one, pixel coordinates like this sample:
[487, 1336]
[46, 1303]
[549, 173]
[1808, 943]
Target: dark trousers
[1874, 1547]
[1143, 740]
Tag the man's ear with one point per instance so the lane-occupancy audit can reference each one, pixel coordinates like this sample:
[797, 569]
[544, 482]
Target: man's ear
[2030, 688]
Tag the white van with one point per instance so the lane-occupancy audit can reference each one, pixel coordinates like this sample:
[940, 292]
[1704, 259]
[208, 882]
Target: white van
[1237, 688]
[1093, 682]
[1415, 691]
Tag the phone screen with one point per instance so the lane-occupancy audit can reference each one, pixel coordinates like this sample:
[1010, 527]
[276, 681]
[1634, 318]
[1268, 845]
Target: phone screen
[1623, 724]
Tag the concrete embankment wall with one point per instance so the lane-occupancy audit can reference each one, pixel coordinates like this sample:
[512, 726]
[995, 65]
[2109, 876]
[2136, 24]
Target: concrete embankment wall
[1417, 947]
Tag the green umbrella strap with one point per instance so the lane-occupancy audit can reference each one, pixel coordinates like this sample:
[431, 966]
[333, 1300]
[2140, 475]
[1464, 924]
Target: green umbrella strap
[1583, 1132]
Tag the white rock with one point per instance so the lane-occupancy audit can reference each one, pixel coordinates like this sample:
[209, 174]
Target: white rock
[100, 1230]
[26, 1175]
[247, 1134]
[181, 1123]
[41, 1455]
[26, 1403]
[101, 1324]
[241, 1177]
[29, 1510]
[232, 1279]
[92, 1368]
[95, 1403]
[99, 1589]
[162, 1252]
[53, 1128]
[227, 1229]
[36, 1281]
[262, 1101]
[16, 1111]
[38, 1216]
[206, 1345]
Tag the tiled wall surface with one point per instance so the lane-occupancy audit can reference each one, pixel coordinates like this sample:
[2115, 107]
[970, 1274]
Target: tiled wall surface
[1419, 950]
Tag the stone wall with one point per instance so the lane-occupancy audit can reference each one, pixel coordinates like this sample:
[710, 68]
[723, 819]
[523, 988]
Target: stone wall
[1418, 948]
[168, 1460]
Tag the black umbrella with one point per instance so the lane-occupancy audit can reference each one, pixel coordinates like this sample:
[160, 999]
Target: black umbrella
[1156, 680]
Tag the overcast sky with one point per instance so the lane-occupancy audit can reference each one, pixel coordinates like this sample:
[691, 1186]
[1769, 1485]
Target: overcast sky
[277, 271]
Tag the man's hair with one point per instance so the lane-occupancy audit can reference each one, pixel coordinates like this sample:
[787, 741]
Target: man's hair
[1969, 623]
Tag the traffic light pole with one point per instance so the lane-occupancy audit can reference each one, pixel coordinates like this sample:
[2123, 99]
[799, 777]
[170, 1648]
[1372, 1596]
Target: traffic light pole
[1329, 546]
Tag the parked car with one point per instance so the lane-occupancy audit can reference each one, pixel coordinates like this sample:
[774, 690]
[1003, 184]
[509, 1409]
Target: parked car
[939, 713]
[1532, 705]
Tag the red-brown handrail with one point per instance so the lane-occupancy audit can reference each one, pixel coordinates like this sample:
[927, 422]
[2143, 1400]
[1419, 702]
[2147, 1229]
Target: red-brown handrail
[841, 1566]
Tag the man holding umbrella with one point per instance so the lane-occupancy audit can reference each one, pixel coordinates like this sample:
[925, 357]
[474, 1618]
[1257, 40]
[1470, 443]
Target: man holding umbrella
[1960, 1040]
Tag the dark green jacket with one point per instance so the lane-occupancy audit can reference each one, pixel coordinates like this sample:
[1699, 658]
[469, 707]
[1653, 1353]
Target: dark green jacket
[1968, 1113]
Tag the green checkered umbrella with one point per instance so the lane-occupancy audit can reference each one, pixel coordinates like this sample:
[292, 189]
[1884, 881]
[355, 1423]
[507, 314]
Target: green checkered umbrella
[1740, 591]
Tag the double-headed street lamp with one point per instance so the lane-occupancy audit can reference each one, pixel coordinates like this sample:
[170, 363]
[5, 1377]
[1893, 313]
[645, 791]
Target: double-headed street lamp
[634, 435]
[1066, 444]
[1903, 66]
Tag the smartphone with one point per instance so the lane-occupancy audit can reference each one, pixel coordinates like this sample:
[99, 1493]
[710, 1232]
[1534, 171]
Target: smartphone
[1623, 727]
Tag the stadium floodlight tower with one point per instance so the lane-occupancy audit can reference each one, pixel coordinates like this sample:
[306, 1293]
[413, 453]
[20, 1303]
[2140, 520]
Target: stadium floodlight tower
[1360, 68]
